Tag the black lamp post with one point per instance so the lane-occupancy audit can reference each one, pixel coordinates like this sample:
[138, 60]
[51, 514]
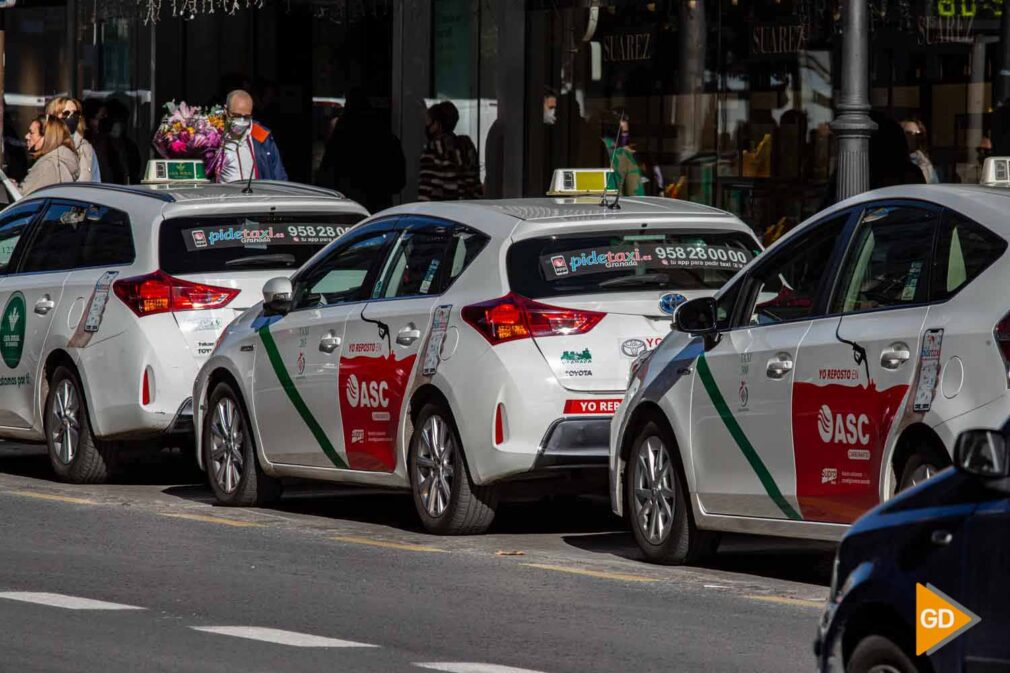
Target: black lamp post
[852, 123]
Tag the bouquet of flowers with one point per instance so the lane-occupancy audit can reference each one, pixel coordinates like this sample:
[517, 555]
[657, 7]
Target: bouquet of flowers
[190, 132]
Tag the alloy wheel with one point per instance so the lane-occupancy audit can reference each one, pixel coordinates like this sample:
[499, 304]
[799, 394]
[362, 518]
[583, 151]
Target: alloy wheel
[921, 474]
[65, 424]
[226, 445]
[884, 668]
[435, 470]
[654, 496]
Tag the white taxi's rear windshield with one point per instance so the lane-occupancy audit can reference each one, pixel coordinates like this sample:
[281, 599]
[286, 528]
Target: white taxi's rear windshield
[626, 261]
[247, 242]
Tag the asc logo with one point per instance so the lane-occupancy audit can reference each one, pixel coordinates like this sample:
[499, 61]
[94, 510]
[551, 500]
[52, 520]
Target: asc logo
[848, 429]
[367, 393]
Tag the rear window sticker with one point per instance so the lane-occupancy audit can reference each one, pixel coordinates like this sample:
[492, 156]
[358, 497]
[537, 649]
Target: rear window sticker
[584, 261]
[929, 370]
[912, 282]
[439, 324]
[91, 321]
[429, 276]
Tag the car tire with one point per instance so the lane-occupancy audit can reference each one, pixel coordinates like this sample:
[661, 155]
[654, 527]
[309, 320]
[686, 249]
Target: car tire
[76, 456]
[447, 500]
[918, 468]
[877, 654]
[229, 454]
[657, 502]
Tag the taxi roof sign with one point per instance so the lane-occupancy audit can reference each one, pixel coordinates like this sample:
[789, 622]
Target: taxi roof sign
[175, 171]
[996, 172]
[582, 182]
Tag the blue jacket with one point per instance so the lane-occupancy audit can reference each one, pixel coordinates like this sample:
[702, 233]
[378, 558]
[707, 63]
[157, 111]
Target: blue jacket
[268, 158]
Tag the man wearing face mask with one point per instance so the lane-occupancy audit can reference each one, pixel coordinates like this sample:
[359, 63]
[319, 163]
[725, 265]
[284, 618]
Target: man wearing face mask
[248, 150]
[68, 110]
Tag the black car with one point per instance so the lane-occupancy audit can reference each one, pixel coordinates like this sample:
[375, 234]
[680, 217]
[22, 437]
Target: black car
[952, 532]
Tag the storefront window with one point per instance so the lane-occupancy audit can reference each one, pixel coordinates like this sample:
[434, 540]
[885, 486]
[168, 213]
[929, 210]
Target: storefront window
[716, 101]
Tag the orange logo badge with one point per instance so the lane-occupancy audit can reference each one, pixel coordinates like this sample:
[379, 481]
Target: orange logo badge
[938, 619]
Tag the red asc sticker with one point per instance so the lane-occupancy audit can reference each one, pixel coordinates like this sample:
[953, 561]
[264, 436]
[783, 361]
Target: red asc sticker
[597, 407]
[371, 399]
[839, 435]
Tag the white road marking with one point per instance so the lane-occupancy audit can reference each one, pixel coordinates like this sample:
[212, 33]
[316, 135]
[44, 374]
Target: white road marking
[278, 636]
[66, 602]
[470, 667]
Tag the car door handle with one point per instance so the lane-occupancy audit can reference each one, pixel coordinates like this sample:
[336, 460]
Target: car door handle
[408, 335]
[895, 355]
[779, 366]
[44, 305]
[329, 343]
[941, 538]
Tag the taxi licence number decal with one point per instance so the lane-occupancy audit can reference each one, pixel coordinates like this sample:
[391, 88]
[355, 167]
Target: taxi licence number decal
[929, 370]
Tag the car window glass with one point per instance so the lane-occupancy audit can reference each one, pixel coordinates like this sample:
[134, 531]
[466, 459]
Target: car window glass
[57, 242]
[888, 263]
[965, 249]
[787, 286]
[341, 276]
[467, 244]
[108, 238]
[416, 265]
[13, 223]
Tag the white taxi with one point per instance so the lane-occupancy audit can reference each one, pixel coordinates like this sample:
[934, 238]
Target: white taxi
[448, 347]
[111, 298]
[836, 369]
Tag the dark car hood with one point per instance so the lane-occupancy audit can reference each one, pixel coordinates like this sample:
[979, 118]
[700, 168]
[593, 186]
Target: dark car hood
[949, 493]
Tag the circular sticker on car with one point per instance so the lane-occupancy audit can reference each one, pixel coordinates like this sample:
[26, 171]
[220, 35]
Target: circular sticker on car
[12, 330]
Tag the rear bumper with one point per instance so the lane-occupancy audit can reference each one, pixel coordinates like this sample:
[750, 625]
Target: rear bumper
[575, 443]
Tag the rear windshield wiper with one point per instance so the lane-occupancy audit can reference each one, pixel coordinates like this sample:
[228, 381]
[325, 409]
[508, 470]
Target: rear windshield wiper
[284, 258]
[648, 279]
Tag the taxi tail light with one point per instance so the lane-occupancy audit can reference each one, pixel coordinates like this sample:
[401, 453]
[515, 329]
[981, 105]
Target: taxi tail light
[515, 317]
[1001, 333]
[160, 293]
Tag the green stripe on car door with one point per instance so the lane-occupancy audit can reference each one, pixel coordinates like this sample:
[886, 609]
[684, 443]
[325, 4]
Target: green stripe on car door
[742, 442]
[296, 398]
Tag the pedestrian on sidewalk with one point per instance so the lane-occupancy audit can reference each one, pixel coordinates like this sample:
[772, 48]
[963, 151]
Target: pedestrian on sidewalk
[449, 164]
[70, 111]
[56, 159]
[249, 150]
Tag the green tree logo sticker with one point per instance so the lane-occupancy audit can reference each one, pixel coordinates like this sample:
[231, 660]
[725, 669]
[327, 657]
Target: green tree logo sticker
[12, 330]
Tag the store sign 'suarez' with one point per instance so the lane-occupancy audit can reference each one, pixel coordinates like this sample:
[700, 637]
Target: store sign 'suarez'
[945, 30]
[771, 39]
[626, 47]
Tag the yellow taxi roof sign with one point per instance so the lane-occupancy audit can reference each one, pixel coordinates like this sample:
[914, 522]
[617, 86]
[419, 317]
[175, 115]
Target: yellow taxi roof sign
[582, 182]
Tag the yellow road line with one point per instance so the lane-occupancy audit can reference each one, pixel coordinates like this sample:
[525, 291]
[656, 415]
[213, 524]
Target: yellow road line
[214, 519]
[402, 546]
[782, 600]
[56, 498]
[592, 573]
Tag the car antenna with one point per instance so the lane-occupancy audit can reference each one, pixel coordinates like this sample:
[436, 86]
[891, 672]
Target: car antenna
[613, 153]
[248, 185]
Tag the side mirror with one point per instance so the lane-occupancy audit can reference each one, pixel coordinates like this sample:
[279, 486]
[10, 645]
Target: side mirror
[983, 453]
[697, 317]
[277, 296]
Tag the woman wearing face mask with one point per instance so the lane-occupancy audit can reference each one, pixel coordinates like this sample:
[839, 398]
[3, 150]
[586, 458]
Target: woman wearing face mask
[52, 147]
[69, 110]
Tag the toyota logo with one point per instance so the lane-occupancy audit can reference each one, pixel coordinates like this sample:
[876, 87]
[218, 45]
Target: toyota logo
[669, 302]
[633, 347]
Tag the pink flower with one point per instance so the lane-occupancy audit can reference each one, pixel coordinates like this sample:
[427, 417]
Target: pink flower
[178, 147]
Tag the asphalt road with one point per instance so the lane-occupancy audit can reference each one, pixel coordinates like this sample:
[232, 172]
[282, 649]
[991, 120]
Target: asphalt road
[339, 579]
